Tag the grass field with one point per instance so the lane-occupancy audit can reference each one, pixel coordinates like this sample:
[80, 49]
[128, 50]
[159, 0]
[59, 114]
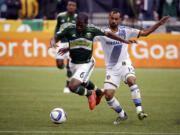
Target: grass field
[28, 94]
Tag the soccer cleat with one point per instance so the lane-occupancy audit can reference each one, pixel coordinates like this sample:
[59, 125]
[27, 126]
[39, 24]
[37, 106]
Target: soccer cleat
[142, 115]
[66, 90]
[92, 100]
[98, 98]
[119, 119]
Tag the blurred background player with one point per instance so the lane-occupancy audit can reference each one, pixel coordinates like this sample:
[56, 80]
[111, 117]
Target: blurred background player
[65, 17]
[119, 66]
[80, 37]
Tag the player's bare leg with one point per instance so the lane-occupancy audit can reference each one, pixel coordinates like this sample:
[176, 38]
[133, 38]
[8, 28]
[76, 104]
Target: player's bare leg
[60, 63]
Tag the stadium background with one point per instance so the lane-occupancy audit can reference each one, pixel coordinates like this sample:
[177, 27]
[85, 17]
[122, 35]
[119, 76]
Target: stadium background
[24, 42]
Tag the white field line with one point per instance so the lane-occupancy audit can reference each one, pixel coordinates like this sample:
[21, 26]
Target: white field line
[84, 132]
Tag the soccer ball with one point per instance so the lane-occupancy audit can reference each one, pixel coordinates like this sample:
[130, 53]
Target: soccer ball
[58, 115]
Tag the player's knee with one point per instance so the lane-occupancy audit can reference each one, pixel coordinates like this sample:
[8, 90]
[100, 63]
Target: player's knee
[131, 81]
[108, 95]
[60, 64]
[73, 85]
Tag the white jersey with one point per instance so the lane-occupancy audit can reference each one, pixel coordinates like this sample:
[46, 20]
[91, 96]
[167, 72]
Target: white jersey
[116, 51]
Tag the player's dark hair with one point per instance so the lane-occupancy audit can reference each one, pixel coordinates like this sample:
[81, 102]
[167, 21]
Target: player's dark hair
[82, 17]
[72, 1]
[115, 11]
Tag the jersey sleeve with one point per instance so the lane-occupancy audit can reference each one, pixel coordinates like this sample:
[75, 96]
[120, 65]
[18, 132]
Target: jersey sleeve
[57, 25]
[61, 34]
[98, 31]
[98, 38]
[132, 33]
[64, 40]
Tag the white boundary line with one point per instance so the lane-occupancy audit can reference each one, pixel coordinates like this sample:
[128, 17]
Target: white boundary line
[84, 132]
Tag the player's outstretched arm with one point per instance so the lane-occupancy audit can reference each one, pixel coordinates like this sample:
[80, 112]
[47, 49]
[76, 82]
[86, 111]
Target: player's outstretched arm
[116, 37]
[149, 30]
[53, 42]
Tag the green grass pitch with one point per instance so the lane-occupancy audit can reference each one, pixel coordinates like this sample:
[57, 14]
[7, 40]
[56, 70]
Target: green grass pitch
[28, 94]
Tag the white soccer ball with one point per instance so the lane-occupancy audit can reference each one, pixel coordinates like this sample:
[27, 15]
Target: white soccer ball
[58, 115]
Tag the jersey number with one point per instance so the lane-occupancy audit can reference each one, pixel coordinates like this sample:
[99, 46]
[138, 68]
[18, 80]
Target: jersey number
[82, 74]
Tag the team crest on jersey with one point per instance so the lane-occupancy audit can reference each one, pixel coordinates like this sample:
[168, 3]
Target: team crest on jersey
[122, 34]
[88, 35]
[63, 21]
[61, 27]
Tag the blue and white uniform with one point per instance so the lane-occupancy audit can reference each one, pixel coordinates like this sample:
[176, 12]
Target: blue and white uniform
[117, 60]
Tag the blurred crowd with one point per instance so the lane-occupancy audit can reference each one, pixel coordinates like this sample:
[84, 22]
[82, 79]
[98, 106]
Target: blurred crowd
[130, 9]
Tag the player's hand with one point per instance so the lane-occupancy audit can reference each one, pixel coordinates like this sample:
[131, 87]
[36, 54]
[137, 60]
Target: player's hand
[130, 41]
[164, 20]
[62, 51]
[53, 43]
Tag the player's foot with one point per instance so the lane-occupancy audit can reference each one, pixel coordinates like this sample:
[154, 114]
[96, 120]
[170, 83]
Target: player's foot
[142, 115]
[66, 90]
[98, 98]
[92, 100]
[119, 119]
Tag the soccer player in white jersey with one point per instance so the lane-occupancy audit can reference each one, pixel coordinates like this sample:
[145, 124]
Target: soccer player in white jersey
[119, 66]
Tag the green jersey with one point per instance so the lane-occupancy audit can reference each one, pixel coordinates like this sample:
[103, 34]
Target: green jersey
[63, 18]
[80, 44]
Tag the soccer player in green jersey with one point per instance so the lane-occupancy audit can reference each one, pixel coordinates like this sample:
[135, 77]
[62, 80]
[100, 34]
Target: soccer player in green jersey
[65, 17]
[80, 37]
